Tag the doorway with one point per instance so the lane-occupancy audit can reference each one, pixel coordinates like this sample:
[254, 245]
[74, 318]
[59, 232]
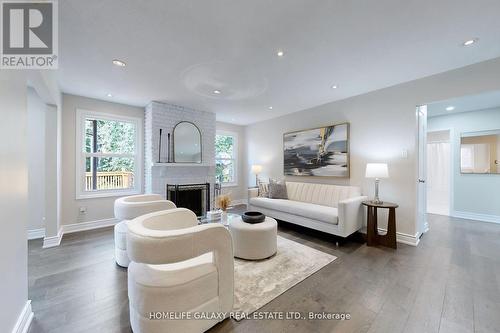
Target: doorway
[459, 158]
[438, 172]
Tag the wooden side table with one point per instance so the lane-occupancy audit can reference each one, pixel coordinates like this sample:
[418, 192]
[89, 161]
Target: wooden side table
[373, 238]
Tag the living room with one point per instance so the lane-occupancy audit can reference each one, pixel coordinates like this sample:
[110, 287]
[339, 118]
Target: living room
[249, 166]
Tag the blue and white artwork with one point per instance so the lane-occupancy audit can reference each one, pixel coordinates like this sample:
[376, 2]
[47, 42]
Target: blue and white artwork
[321, 151]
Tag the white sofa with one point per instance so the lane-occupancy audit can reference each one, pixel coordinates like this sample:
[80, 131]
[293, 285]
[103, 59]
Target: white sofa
[329, 208]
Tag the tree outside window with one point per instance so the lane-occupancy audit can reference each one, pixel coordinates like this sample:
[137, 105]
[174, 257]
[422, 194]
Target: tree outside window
[225, 158]
[109, 137]
[110, 154]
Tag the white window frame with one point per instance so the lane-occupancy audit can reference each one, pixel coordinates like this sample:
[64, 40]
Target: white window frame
[80, 153]
[235, 183]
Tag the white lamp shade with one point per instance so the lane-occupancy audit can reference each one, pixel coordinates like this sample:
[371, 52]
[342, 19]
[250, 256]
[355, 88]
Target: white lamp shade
[256, 169]
[376, 170]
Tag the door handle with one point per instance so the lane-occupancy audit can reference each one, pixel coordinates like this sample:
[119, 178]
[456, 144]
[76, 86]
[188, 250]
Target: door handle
[421, 180]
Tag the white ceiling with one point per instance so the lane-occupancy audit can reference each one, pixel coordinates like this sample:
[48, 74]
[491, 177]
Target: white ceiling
[479, 102]
[180, 51]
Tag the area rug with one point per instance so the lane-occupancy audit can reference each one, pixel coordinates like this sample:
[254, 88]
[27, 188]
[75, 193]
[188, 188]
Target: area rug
[256, 283]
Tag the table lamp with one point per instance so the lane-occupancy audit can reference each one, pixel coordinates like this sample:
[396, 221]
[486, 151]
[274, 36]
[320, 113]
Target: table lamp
[256, 168]
[377, 171]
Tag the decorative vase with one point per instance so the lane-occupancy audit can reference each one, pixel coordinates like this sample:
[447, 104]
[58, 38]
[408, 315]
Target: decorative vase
[223, 215]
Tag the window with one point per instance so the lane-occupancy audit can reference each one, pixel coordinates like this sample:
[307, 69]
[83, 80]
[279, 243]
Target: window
[109, 155]
[467, 158]
[226, 154]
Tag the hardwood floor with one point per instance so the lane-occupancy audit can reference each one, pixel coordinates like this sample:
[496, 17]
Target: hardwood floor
[449, 283]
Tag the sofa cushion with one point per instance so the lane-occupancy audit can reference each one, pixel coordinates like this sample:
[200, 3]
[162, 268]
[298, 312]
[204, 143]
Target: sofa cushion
[263, 190]
[277, 189]
[309, 210]
[321, 194]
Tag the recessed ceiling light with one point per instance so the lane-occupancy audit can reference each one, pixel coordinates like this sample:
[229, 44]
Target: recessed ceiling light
[280, 53]
[109, 95]
[450, 108]
[335, 86]
[469, 42]
[217, 92]
[270, 108]
[119, 63]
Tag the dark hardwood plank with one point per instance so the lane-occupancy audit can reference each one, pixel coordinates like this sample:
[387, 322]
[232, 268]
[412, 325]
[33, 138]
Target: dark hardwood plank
[449, 283]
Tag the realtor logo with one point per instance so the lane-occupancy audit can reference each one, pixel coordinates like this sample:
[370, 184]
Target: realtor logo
[29, 34]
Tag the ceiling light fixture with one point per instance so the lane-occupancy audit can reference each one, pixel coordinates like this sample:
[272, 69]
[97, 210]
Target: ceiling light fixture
[450, 108]
[109, 95]
[270, 108]
[470, 42]
[280, 53]
[217, 92]
[119, 63]
[335, 86]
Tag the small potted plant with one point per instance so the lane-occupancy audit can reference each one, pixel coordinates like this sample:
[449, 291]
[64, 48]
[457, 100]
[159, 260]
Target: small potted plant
[223, 201]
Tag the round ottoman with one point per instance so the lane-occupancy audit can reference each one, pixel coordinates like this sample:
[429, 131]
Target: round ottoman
[254, 241]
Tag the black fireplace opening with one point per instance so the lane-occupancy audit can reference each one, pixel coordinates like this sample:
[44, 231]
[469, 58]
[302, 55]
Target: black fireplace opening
[195, 197]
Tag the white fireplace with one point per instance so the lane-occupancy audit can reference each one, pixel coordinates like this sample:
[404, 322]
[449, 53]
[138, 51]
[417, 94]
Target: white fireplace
[158, 171]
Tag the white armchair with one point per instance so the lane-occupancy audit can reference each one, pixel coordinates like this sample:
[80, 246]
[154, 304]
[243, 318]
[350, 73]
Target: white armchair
[178, 266]
[128, 208]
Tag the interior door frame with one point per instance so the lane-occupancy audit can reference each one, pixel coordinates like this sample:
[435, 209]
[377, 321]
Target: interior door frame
[422, 225]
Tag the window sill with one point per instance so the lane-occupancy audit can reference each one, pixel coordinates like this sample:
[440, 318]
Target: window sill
[224, 185]
[106, 195]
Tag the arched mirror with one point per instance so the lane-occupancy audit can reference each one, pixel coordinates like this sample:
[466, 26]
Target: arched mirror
[187, 143]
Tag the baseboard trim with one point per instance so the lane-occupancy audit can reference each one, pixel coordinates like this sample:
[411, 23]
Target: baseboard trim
[400, 237]
[408, 239]
[24, 320]
[405, 238]
[91, 225]
[476, 216]
[36, 233]
[77, 227]
[53, 240]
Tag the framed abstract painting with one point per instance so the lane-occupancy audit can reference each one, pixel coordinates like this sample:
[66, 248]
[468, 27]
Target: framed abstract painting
[322, 152]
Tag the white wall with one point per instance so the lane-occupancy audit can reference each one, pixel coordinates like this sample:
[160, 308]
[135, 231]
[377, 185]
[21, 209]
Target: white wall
[97, 208]
[13, 198]
[46, 85]
[166, 116]
[36, 160]
[239, 192]
[383, 124]
[472, 193]
[52, 170]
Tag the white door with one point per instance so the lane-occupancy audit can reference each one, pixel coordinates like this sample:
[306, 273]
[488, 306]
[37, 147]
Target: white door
[422, 225]
[438, 172]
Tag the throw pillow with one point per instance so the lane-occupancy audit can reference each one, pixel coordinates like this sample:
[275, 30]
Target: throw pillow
[263, 190]
[277, 189]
